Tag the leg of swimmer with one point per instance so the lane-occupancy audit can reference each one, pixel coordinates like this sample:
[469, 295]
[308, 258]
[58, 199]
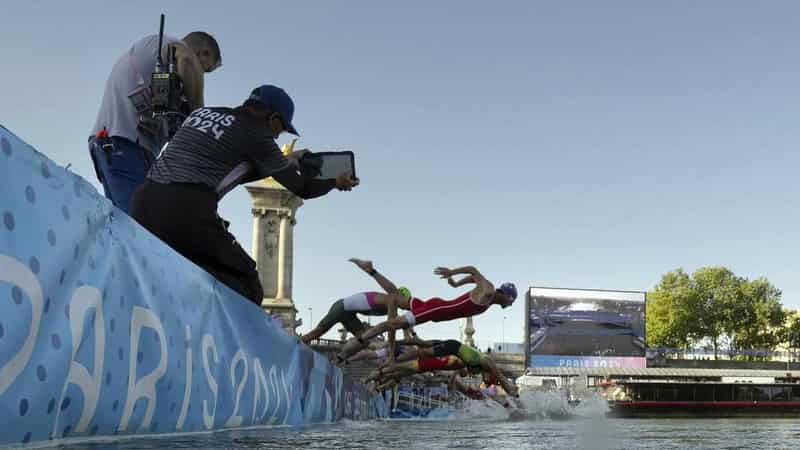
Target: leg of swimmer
[353, 324]
[379, 374]
[352, 347]
[393, 372]
[357, 328]
[355, 345]
[363, 355]
[333, 317]
[313, 334]
[393, 324]
[391, 314]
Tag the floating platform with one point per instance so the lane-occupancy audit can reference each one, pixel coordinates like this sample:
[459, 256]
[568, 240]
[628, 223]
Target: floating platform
[105, 330]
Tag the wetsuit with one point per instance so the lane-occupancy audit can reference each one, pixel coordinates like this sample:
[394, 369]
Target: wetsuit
[345, 311]
[451, 347]
[439, 310]
[434, 363]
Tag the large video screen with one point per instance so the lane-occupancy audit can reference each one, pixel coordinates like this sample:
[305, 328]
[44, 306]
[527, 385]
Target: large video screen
[585, 328]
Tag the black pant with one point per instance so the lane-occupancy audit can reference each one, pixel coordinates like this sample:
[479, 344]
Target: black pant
[185, 217]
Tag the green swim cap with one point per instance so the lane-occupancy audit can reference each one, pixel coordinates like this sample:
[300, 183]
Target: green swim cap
[405, 292]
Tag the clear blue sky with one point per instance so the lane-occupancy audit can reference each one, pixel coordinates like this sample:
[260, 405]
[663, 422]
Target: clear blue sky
[575, 144]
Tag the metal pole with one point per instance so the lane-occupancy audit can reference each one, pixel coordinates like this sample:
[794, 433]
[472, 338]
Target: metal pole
[310, 318]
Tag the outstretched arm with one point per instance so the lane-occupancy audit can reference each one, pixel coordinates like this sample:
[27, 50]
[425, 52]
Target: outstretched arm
[385, 284]
[458, 283]
[303, 186]
[473, 274]
[483, 290]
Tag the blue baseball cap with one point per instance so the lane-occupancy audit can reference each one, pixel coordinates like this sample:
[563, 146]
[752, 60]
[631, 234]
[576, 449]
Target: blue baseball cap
[277, 100]
[509, 289]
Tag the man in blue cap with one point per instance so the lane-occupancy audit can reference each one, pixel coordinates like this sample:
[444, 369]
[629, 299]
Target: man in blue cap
[215, 150]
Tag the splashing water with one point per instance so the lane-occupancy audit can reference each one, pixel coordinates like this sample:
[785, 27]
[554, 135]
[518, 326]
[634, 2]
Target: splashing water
[481, 409]
[536, 405]
[546, 405]
[592, 405]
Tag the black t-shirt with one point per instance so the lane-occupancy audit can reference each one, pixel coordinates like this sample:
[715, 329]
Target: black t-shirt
[213, 144]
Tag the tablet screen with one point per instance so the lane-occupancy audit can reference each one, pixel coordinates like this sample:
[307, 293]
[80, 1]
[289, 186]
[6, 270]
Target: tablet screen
[334, 163]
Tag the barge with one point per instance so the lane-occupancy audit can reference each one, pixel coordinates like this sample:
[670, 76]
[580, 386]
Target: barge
[648, 399]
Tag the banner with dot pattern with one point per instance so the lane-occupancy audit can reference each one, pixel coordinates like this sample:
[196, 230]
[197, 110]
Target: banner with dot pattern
[105, 330]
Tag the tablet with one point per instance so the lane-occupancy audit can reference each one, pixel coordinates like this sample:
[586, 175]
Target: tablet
[326, 165]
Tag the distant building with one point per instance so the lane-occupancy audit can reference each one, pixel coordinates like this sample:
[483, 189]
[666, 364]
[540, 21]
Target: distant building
[508, 347]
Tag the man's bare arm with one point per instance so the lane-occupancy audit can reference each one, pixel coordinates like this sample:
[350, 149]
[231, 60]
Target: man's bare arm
[458, 283]
[483, 289]
[444, 272]
[385, 283]
[190, 71]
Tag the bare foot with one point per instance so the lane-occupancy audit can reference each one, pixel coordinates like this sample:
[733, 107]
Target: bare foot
[362, 264]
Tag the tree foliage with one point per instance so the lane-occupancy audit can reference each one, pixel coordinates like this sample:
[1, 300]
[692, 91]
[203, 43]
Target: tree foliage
[715, 305]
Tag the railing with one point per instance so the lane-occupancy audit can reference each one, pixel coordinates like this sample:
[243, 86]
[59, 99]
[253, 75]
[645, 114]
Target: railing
[683, 353]
[426, 401]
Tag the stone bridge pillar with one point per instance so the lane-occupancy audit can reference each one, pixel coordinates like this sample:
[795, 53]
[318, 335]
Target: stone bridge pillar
[274, 218]
[469, 332]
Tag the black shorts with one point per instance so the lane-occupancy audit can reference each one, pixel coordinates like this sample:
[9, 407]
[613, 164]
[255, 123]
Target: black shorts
[185, 217]
[337, 314]
[446, 348]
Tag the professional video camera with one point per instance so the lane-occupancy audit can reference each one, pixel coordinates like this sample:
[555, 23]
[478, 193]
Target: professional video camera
[170, 106]
[163, 106]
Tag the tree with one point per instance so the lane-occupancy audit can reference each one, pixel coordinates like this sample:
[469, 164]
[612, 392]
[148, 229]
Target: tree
[717, 291]
[791, 334]
[714, 304]
[759, 319]
[666, 316]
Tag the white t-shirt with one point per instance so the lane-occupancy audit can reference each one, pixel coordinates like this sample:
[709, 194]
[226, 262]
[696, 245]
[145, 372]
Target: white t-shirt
[135, 67]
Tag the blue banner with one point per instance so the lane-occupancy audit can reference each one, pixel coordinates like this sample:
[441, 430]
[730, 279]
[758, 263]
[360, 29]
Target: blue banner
[106, 330]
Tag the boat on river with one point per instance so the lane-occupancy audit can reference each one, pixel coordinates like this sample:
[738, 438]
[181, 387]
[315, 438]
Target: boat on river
[655, 399]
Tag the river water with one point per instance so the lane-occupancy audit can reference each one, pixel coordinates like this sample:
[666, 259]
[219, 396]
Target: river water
[549, 425]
